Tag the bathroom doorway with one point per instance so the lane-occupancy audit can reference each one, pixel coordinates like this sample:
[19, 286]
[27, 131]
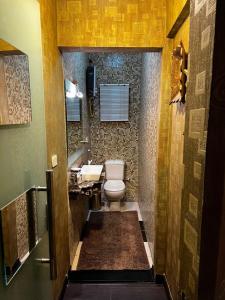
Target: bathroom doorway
[132, 140]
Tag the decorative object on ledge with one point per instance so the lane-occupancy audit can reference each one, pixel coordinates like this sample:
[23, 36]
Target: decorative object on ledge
[179, 74]
[15, 91]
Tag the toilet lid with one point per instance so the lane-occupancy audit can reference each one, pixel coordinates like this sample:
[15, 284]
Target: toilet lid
[114, 185]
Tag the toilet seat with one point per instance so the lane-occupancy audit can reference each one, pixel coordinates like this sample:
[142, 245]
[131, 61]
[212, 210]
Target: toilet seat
[114, 185]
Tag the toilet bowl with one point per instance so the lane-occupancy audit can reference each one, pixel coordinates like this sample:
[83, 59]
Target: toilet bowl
[114, 190]
[114, 187]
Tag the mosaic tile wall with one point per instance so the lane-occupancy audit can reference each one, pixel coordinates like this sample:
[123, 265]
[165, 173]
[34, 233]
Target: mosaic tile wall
[75, 64]
[148, 141]
[202, 24]
[74, 69]
[22, 226]
[118, 140]
[15, 90]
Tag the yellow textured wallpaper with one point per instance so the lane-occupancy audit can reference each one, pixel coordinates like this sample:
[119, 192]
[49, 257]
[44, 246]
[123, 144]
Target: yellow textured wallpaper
[169, 191]
[173, 252]
[173, 9]
[183, 35]
[111, 23]
[56, 138]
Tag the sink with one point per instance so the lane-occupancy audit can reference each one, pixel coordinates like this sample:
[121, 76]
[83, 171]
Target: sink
[91, 172]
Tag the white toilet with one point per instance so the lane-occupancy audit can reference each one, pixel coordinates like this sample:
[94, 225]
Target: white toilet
[114, 186]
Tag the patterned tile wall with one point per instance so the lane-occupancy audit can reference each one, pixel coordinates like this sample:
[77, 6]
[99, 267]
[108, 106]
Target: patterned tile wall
[22, 226]
[118, 140]
[15, 90]
[202, 23]
[148, 141]
[74, 69]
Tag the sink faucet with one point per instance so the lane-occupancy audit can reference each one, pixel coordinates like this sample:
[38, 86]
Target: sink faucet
[89, 162]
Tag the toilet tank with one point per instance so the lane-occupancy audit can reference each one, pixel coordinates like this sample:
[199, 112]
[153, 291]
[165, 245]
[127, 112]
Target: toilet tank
[114, 169]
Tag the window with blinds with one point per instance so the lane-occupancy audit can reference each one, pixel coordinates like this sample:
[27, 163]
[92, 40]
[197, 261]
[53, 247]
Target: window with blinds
[114, 102]
[73, 109]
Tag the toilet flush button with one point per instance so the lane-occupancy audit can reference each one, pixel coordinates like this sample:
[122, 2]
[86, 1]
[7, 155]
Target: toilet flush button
[54, 161]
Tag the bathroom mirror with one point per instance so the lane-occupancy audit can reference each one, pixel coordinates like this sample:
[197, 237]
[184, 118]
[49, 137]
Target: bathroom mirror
[73, 116]
[73, 103]
[15, 91]
[78, 132]
[21, 230]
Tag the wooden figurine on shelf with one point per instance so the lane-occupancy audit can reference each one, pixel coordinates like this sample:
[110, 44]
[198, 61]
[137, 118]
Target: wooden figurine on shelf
[179, 74]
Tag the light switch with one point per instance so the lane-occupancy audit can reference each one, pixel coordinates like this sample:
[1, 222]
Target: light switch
[54, 161]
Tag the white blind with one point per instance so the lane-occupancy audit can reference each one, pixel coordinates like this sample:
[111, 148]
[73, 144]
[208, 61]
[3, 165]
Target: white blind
[114, 102]
[73, 109]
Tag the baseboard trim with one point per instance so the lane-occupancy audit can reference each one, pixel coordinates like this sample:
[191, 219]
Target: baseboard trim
[162, 279]
[93, 276]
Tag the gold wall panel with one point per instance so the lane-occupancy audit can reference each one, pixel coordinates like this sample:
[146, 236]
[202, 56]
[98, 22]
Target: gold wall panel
[196, 122]
[197, 170]
[183, 35]
[190, 237]
[56, 137]
[163, 160]
[171, 149]
[165, 146]
[111, 23]
[173, 9]
[195, 135]
[193, 205]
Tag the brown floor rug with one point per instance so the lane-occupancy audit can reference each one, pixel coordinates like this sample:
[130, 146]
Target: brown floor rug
[113, 241]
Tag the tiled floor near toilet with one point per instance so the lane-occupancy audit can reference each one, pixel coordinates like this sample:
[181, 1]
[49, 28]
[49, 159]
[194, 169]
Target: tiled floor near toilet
[126, 206]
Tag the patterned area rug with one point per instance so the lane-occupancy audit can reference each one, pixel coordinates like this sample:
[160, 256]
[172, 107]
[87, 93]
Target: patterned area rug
[113, 241]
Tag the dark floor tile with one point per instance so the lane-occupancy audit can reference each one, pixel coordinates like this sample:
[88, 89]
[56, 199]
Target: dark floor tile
[87, 292]
[134, 291]
[138, 293]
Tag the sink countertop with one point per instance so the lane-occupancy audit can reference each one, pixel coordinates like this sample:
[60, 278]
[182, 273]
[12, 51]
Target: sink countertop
[77, 188]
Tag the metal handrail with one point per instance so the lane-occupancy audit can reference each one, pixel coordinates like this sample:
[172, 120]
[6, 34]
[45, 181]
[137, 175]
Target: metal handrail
[50, 198]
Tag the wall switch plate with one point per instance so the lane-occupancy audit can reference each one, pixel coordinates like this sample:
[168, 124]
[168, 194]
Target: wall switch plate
[54, 161]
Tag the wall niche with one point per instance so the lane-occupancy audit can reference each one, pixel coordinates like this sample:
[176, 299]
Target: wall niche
[15, 95]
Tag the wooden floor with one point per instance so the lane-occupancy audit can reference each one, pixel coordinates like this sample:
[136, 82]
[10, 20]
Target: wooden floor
[115, 291]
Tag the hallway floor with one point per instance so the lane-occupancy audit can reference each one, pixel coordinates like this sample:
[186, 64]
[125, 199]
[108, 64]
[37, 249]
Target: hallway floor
[114, 284]
[115, 291]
